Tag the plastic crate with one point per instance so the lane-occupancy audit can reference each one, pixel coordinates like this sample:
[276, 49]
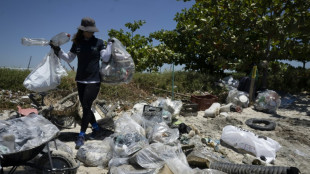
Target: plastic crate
[189, 108]
[152, 113]
[204, 101]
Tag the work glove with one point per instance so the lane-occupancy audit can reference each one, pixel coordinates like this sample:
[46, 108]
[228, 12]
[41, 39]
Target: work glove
[55, 48]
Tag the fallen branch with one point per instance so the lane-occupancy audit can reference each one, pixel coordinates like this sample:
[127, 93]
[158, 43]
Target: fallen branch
[67, 97]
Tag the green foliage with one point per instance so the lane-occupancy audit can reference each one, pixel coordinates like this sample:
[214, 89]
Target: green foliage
[284, 77]
[68, 82]
[146, 56]
[13, 79]
[218, 35]
[184, 82]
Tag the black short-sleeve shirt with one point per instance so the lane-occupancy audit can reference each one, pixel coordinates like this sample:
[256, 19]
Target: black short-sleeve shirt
[88, 54]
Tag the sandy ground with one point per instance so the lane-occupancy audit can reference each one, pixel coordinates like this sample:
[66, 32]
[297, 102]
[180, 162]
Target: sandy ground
[291, 132]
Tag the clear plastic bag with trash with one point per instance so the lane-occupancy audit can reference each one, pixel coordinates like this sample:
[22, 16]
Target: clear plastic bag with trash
[119, 67]
[129, 137]
[161, 133]
[25, 133]
[267, 101]
[238, 98]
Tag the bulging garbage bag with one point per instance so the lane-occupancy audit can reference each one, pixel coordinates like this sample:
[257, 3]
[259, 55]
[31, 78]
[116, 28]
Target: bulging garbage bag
[96, 154]
[267, 101]
[26, 132]
[250, 142]
[46, 75]
[239, 98]
[120, 67]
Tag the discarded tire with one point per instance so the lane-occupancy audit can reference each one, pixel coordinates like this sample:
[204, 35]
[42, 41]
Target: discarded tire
[62, 162]
[261, 124]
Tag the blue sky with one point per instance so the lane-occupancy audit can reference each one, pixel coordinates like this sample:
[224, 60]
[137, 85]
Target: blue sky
[46, 18]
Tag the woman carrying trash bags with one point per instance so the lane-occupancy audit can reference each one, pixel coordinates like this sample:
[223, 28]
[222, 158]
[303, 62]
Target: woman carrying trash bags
[89, 50]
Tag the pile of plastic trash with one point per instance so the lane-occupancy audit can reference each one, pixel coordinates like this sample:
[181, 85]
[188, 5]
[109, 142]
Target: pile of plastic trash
[144, 141]
[25, 133]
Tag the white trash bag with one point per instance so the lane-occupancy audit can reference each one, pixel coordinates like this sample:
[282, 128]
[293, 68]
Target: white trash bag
[117, 66]
[47, 75]
[250, 142]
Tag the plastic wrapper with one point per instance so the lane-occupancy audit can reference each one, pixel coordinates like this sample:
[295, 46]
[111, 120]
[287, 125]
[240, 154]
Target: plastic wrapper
[250, 142]
[29, 132]
[161, 133]
[120, 68]
[238, 98]
[155, 155]
[267, 101]
[95, 154]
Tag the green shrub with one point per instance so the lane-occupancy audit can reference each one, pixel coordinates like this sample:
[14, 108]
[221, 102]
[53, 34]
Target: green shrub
[13, 79]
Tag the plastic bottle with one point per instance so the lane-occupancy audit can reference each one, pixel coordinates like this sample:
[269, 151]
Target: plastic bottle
[34, 41]
[60, 39]
[57, 40]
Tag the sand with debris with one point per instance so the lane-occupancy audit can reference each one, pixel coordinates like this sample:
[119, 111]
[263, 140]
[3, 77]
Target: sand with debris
[292, 132]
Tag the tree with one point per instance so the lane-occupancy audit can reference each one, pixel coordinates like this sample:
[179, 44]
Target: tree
[146, 56]
[216, 35]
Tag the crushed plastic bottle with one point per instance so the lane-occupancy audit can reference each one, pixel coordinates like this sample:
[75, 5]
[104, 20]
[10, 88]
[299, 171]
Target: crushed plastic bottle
[34, 41]
[57, 40]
